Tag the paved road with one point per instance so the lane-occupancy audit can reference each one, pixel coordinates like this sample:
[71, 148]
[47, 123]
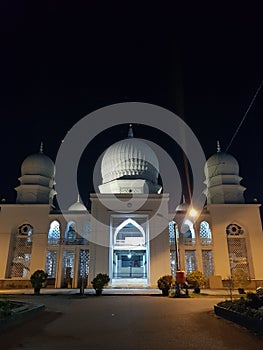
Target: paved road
[127, 322]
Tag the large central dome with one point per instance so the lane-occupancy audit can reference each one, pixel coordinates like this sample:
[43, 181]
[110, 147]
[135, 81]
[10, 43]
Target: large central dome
[130, 158]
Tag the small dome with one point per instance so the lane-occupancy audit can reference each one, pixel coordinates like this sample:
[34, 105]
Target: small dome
[130, 158]
[38, 164]
[77, 206]
[221, 164]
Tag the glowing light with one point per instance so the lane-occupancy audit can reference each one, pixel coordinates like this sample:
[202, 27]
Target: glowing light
[193, 213]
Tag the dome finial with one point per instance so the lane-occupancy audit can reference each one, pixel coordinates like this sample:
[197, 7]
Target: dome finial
[130, 133]
[41, 147]
[218, 148]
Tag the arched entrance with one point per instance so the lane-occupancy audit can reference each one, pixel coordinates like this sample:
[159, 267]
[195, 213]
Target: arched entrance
[129, 258]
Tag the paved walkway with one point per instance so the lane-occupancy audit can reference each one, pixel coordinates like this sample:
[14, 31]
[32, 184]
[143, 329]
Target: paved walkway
[112, 322]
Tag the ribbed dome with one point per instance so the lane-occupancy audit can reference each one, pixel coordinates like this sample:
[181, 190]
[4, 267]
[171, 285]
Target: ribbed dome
[38, 164]
[130, 158]
[221, 164]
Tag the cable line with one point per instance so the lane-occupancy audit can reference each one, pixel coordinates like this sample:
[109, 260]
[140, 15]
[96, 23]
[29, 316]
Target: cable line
[243, 119]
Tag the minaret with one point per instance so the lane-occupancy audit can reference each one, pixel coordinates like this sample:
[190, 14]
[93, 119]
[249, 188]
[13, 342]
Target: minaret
[37, 180]
[222, 179]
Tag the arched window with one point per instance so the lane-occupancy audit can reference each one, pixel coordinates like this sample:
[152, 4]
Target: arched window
[205, 233]
[70, 233]
[188, 232]
[54, 233]
[21, 252]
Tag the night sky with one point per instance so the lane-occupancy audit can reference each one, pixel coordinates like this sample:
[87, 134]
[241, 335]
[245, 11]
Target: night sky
[61, 61]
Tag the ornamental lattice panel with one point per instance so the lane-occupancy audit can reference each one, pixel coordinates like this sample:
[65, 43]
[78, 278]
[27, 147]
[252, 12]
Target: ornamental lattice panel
[208, 262]
[238, 253]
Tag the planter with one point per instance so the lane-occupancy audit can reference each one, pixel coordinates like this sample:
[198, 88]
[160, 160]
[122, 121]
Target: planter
[98, 291]
[243, 320]
[165, 292]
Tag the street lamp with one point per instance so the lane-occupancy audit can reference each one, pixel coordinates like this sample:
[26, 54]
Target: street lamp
[176, 248]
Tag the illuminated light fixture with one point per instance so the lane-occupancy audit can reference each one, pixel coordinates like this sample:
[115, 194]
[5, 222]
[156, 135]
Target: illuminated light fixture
[193, 213]
[129, 255]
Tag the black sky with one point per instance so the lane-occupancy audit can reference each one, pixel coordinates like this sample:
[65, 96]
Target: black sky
[61, 61]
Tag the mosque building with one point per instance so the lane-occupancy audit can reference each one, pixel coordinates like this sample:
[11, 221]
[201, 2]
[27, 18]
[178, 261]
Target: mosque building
[122, 235]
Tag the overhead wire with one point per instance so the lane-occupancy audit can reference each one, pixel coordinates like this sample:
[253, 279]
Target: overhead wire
[240, 124]
[244, 117]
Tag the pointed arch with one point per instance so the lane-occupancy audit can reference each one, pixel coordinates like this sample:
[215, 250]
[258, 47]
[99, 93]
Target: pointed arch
[205, 233]
[188, 229]
[70, 232]
[54, 232]
[127, 222]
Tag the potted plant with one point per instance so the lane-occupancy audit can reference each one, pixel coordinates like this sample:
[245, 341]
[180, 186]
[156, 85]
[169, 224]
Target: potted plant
[38, 279]
[99, 282]
[164, 284]
[197, 279]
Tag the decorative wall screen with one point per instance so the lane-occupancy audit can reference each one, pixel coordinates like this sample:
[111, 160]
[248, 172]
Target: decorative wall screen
[83, 263]
[208, 262]
[51, 263]
[190, 261]
[237, 248]
[238, 254]
[21, 253]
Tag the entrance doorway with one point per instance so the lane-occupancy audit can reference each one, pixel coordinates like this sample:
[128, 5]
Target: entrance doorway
[130, 256]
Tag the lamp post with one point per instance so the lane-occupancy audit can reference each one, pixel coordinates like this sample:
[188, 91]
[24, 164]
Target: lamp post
[176, 248]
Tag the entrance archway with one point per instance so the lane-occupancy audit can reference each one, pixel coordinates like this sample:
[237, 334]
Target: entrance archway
[129, 258]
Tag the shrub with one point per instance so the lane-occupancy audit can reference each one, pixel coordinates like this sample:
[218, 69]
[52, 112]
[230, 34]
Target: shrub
[38, 279]
[164, 283]
[250, 306]
[197, 279]
[254, 301]
[99, 282]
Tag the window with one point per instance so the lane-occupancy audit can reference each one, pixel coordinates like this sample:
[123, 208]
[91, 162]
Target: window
[51, 263]
[190, 261]
[205, 233]
[54, 233]
[70, 233]
[188, 232]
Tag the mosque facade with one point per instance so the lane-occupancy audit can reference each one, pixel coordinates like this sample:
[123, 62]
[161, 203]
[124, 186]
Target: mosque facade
[129, 232]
